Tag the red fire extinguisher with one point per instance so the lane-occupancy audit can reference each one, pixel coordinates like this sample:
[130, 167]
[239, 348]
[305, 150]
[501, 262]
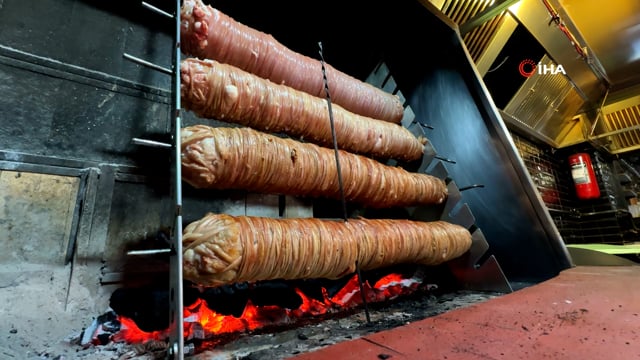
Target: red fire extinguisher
[583, 176]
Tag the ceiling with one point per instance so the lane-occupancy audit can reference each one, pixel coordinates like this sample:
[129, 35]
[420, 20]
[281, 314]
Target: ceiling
[612, 31]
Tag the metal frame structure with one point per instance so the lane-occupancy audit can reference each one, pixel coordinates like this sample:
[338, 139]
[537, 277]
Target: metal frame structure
[176, 336]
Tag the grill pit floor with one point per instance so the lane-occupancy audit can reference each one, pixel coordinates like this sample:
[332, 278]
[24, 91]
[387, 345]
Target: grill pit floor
[585, 312]
[303, 339]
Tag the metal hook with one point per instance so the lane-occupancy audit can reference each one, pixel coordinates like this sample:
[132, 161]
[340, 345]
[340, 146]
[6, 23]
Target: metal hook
[445, 159]
[422, 125]
[470, 187]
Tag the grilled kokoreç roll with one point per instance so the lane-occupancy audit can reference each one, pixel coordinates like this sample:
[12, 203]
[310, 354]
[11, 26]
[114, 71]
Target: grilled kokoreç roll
[221, 249]
[219, 91]
[208, 33]
[246, 159]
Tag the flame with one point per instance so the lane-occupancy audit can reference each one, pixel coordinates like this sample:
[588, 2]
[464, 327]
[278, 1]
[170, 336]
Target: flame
[201, 322]
[131, 333]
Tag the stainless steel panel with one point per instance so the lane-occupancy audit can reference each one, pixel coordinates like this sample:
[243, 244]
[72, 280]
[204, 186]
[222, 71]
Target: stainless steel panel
[612, 30]
[533, 15]
[546, 104]
[622, 125]
[445, 91]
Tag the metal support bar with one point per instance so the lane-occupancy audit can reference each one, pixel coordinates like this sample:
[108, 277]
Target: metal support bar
[86, 216]
[148, 252]
[151, 143]
[42, 65]
[148, 64]
[615, 132]
[176, 336]
[485, 15]
[39, 168]
[445, 159]
[156, 10]
[77, 210]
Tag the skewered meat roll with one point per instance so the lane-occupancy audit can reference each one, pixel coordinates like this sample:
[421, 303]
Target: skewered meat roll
[220, 249]
[208, 33]
[219, 91]
[243, 158]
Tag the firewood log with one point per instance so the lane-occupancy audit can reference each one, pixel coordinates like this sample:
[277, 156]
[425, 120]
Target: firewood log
[221, 249]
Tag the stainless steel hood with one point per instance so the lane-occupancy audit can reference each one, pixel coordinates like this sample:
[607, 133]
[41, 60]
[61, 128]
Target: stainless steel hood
[599, 50]
[546, 105]
[612, 30]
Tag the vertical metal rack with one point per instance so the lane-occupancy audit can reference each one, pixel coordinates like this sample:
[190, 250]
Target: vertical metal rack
[175, 348]
[176, 340]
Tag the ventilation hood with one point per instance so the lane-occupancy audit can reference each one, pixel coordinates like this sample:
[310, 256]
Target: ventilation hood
[593, 98]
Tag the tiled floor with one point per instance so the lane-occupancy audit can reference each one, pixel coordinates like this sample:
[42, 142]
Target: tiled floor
[586, 312]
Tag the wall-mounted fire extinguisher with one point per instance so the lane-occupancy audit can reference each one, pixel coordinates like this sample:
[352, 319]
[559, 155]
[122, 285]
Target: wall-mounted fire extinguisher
[583, 176]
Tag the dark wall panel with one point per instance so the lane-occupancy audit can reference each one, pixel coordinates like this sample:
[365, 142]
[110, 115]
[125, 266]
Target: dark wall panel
[52, 116]
[90, 34]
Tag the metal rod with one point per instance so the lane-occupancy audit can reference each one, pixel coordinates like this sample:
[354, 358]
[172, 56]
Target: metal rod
[151, 143]
[445, 159]
[77, 212]
[336, 152]
[474, 186]
[147, 64]
[148, 252]
[615, 132]
[156, 10]
[364, 297]
[599, 114]
[630, 168]
[422, 125]
[333, 135]
[604, 212]
[176, 338]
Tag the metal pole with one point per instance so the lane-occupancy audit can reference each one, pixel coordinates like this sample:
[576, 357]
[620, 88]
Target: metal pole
[176, 344]
[340, 183]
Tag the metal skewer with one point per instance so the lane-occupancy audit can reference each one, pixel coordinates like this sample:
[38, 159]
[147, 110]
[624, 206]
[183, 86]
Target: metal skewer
[474, 186]
[148, 252]
[151, 143]
[340, 184]
[148, 64]
[156, 10]
[426, 126]
[445, 159]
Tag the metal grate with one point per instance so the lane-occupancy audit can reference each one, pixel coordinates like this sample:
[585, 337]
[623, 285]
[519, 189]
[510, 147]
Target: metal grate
[625, 124]
[461, 11]
[478, 39]
[540, 97]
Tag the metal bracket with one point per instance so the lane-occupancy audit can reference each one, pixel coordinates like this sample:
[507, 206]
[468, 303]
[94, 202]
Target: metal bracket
[474, 275]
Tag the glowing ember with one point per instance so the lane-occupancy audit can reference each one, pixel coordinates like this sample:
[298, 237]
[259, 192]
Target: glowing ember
[131, 333]
[199, 318]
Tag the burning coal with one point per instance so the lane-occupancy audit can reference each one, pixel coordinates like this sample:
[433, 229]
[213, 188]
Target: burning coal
[203, 323]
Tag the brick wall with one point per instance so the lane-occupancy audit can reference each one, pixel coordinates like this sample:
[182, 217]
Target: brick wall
[602, 220]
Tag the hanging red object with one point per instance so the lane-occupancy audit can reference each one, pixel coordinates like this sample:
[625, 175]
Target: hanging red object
[583, 176]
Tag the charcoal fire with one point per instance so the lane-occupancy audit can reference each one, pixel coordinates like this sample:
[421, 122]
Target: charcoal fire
[213, 314]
